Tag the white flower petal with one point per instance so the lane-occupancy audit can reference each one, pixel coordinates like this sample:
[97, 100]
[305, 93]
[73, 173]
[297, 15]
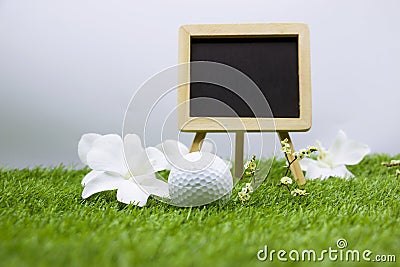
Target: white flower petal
[338, 142]
[142, 161]
[102, 182]
[132, 147]
[305, 163]
[85, 144]
[129, 192]
[107, 155]
[88, 177]
[348, 152]
[173, 151]
[315, 169]
[342, 172]
[149, 161]
[318, 172]
[156, 158]
[153, 185]
[135, 154]
[320, 147]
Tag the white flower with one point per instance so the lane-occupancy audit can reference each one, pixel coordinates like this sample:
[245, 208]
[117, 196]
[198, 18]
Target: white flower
[243, 196]
[122, 165]
[286, 180]
[286, 146]
[333, 162]
[249, 188]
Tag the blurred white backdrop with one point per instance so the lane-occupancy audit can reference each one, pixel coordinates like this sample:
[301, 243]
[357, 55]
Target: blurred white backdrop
[69, 67]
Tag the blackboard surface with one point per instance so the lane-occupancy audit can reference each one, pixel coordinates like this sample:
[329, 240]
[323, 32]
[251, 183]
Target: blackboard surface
[271, 62]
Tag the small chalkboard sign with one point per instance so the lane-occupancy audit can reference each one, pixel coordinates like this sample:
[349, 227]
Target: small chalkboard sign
[275, 56]
[271, 62]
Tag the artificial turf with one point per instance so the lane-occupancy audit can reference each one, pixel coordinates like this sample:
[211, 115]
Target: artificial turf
[45, 222]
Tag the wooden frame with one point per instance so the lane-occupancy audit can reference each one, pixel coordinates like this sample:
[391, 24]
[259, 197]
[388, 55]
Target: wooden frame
[220, 124]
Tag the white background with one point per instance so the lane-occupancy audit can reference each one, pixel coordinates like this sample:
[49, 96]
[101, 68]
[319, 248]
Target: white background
[70, 67]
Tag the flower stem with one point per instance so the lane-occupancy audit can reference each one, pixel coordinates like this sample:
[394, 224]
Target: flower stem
[289, 164]
[287, 171]
[287, 187]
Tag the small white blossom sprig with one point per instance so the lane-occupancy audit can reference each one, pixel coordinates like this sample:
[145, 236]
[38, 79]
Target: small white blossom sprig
[392, 164]
[297, 155]
[249, 172]
[244, 194]
[287, 182]
[299, 192]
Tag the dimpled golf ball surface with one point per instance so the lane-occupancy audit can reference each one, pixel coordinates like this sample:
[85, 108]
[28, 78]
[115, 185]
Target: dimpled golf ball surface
[199, 178]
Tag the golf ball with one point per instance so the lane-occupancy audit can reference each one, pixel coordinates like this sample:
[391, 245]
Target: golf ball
[199, 178]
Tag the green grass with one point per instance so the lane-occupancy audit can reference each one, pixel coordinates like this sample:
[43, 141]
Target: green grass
[44, 222]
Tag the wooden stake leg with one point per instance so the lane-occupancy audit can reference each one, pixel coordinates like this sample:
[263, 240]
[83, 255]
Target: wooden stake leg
[295, 167]
[198, 141]
[239, 147]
